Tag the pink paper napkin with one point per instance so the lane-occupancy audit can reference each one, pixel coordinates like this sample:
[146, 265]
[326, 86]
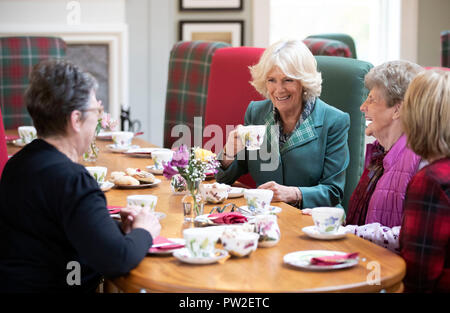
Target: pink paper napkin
[114, 209]
[159, 240]
[228, 218]
[9, 138]
[334, 259]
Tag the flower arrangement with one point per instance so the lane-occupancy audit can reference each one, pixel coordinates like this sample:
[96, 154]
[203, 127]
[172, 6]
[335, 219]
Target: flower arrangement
[192, 166]
[104, 122]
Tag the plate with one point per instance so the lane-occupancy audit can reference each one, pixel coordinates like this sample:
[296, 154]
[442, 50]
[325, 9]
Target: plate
[236, 192]
[141, 152]
[302, 260]
[153, 170]
[159, 215]
[180, 241]
[312, 232]
[116, 149]
[18, 143]
[104, 136]
[184, 256]
[156, 182]
[271, 210]
[106, 185]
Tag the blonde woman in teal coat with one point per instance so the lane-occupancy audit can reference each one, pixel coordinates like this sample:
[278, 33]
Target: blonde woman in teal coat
[304, 154]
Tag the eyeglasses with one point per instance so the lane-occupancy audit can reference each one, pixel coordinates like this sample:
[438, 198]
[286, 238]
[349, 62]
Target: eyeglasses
[220, 210]
[99, 110]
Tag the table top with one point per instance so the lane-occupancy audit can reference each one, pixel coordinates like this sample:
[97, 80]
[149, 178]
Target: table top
[262, 271]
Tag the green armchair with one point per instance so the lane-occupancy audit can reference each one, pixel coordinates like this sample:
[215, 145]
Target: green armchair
[343, 87]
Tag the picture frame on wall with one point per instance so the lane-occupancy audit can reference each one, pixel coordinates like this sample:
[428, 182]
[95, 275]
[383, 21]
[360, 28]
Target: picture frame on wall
[210, 5]
[231, 32]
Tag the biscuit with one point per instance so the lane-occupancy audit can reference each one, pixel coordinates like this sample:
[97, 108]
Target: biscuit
[126, 180]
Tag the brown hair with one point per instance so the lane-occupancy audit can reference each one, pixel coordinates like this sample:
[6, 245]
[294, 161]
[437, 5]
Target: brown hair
[426, 114]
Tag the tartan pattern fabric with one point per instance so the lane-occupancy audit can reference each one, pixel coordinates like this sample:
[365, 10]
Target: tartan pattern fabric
[187, 86]
[319, 46]
[18, 55]
[445, 54]
[425, 232]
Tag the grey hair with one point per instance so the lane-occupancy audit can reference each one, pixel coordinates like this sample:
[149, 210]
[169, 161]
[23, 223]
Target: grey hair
[393, 78]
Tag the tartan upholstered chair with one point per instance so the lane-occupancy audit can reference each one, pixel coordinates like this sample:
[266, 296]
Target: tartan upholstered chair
[321, 46]
[3, 149]
[346, 39]
[18, 55]
[187, 86]
[230, 92]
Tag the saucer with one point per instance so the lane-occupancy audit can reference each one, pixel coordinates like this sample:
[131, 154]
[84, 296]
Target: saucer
[118, 149]
[184, 256]
[302, 259]
[104, 136]
[140, 152]
[106, 185]
[271, 210]
[236, 192]
[140, 186]
[312, 232]
[153, 170]
[18, 143]
[160, 215]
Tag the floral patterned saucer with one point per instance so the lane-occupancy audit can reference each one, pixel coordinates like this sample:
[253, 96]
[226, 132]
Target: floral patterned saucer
[184, 256]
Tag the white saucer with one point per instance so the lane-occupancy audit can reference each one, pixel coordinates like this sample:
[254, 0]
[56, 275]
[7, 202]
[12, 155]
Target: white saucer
[140, 186]
[153, 170]
[180, 241]
[160, 215]
[236, 192]
[106, 185]
[312, 232]
[140, 152]
[184, 256]
[302, 259]
[116, 149]
[18, 143]
[104, 136]
[271, 210]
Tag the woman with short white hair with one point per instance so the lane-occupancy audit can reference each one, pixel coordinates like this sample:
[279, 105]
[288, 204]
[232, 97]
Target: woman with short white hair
[306, 137]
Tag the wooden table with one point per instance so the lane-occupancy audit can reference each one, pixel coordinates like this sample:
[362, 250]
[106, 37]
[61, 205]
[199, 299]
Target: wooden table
[263, 270]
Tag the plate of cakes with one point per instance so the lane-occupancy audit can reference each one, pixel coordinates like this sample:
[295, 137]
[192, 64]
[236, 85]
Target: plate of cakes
[134, 178]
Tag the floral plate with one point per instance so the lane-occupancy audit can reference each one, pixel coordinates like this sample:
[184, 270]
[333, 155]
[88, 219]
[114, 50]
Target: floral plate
[271, 210]
[302, 259]
[140, 186]
[153, 170]
[236, 192]
[116, 149]
[18, 143]
[312, 232]
[184, 256]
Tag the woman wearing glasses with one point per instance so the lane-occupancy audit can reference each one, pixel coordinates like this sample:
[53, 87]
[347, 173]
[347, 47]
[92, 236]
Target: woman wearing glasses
[52, 211]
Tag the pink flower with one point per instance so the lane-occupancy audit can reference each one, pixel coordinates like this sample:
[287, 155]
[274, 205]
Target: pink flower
[180, 157]
[169, 171]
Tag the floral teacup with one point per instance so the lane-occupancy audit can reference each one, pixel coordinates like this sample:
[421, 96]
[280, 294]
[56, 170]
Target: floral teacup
[258, 200]
[98, 172]
[140, 202]
[252, 136]
[214, 193]
[200, 242]
[161, 157]
[27, 133]
[327, 219]
[268, 230]
[122, 139]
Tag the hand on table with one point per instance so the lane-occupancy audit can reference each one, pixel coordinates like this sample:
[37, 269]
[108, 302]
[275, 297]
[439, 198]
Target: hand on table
[282, 193]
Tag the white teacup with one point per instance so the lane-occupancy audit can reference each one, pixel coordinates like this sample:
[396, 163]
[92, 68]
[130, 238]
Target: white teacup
[122, 139]
[98, 172]
[200, 242]
[161, 157]
[252, 136]
[238, 242]
[327, 219]
[258, 200]
[139, 202]
[27, 133]
[214, 193]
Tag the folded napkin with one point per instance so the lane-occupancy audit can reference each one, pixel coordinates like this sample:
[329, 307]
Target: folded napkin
[9, 138]
[228, 218]
[114, 209]
[160, 240]
[334, 259]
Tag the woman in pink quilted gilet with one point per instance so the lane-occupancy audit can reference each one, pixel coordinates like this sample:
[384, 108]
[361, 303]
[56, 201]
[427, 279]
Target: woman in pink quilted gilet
[376, 206]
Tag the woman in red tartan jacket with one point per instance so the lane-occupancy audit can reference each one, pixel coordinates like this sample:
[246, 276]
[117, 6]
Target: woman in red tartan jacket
[424, 238]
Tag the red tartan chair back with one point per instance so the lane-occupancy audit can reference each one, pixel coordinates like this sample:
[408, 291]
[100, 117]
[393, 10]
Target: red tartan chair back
[3, 150]
[18, 55]
[320, 46]
[187, 87]
[230, 92]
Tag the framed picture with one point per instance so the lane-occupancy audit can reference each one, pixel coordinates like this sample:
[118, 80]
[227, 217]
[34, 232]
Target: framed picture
[231, 32]
[209, 5]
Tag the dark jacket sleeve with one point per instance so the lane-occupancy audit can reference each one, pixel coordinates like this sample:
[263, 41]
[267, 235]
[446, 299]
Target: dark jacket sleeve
[95, 235]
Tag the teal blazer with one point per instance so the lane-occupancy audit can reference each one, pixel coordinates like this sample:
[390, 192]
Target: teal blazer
[314, 158]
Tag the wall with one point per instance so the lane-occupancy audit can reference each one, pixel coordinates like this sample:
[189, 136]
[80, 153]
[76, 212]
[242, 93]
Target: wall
[433, 17]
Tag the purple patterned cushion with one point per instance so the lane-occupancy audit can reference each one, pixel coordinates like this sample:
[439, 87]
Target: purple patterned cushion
[18, 55]
[319, 46]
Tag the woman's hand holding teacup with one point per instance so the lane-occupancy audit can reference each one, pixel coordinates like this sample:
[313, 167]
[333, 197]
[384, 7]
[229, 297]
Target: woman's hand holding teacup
[282, 193]
[132, 218]
[232, 147]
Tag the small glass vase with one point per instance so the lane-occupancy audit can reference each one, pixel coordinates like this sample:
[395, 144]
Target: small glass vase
[92, 154]
[192, 202]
